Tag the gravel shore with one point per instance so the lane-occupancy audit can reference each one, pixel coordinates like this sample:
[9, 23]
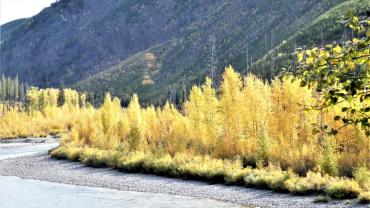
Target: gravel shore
[42, 167]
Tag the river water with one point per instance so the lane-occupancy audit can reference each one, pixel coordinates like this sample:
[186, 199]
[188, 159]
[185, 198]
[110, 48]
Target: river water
[24, 193]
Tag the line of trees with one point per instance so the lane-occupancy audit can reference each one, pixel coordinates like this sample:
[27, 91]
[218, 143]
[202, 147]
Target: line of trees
[14, 93]
[40, 99]
[12, 90]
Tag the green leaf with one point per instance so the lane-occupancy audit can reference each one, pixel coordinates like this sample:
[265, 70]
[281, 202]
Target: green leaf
[345, 120]
[303, 83]
[315, 131]
[333, 132]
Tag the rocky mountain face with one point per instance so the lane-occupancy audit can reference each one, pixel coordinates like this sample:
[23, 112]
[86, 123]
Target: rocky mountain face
[74, 38]
[149, 47]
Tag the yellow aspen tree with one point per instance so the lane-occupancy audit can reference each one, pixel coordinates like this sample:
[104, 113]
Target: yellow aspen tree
[82, 99]
[230, 108]
[71, 98]
[194, 111]
[123, 129]
[172, 129]
[290, 124]
[110, 112]
[136, 122]
[52, 97]
[33, 98]
[256, 110]
[211, 115]
[152, 130]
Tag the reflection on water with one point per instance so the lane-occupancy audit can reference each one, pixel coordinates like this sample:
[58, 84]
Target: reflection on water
[21, 193]
[14, 150]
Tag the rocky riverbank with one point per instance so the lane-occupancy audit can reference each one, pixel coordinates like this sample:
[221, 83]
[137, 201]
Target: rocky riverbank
[42, 167]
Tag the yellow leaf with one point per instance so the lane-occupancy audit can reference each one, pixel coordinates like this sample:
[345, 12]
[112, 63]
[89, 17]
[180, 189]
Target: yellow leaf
[337, 49]
[355, 20]
[361, 61]
[327, 54]
[300, 57]
[324, 53]
[309, 60]
[355, 40]
[368, 33]
[350, 65]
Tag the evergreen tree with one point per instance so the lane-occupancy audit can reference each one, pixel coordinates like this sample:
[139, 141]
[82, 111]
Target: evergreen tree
[16, 88]
[262, 154]
[2, 88]
[61, 98]
[178, 101]
[329, 157]
[183, 93]
[22, 98]
[8, 89]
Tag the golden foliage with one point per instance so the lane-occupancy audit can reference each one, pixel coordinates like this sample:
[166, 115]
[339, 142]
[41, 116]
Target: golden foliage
[249, 119]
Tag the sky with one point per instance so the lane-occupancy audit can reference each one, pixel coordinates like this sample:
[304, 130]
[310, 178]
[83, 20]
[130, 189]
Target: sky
[14, 9]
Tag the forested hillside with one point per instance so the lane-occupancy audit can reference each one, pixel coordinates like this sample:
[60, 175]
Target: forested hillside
[327, 28]
[157, 48]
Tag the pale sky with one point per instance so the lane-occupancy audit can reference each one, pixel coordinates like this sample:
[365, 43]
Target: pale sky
[15, 9]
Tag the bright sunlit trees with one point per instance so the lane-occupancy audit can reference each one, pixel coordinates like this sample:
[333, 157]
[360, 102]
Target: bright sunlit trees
[249, 119]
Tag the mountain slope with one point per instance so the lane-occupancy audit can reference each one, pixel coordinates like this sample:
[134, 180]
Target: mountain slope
[74, 38]
[327, 28]
[186, 59]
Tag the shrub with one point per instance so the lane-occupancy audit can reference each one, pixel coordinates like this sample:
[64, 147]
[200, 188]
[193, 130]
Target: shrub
[218, 171]
[134, 138]
[343, 189]
[273, 178]
[313, 182]
[59, 153]
[113, 158]
[74, 154]
[329, 160]
[362, 176]
[94, 158]
[161, 166]
[203, 168]
[262, 155]
[234, 172]
[364, 197]
[134, 162]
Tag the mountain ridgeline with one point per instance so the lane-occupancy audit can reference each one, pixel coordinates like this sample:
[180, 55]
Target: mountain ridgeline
[156, 48]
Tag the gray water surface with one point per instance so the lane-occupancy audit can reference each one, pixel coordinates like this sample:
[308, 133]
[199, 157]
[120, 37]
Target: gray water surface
[14, 150]
[24, 193]
[21, 193]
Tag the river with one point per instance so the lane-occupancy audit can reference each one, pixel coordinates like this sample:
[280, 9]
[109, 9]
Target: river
[20, 193]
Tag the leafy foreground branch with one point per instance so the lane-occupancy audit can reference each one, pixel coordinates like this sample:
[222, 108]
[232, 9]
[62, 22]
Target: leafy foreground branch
[341, 74]
[230, 172]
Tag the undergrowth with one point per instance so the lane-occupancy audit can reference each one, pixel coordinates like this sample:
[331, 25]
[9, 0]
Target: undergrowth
[229, 172]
